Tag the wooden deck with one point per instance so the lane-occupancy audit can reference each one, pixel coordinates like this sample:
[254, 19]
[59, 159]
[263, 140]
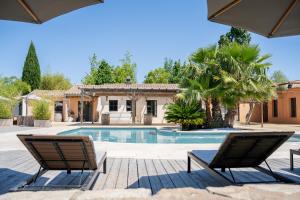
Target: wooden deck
[154, 174]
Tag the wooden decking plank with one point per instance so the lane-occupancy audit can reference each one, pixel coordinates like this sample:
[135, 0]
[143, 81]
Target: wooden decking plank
[183, 175]
[101, 180]
[204, 176]
[172, 174]
[46, 178]
[162, 174]
[143, 176]
[156, 185]
[256, 176]
[14, 178]
[194, 174]
[111, 180]
[123, 174]
[132, 181]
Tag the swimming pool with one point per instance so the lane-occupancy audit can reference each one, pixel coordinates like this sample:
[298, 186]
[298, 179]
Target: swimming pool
[151, 135]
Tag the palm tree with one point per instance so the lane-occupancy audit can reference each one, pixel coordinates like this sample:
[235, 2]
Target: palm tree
[207, 83]
[243, 76]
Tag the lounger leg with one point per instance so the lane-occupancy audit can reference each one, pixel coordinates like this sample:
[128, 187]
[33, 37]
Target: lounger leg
[104, 166]
[188, 165]
[291, 160]
[223, 169]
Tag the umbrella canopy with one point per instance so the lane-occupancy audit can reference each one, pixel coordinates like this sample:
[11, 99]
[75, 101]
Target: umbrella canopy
[39, 11]
[271, 18]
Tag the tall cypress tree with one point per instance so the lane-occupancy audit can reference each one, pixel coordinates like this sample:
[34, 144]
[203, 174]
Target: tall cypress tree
[31, 70]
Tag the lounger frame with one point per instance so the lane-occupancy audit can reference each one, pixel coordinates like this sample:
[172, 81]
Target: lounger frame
[90, 181]
[215, 163]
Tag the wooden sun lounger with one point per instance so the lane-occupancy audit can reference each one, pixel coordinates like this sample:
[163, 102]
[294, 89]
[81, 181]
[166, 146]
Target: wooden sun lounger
[54, 152]
[241, 150]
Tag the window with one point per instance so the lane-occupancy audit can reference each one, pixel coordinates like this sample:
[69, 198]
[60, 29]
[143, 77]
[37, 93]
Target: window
[275, 108]
[293, 107]
[113, 105]
[128, 105]
[152, 107]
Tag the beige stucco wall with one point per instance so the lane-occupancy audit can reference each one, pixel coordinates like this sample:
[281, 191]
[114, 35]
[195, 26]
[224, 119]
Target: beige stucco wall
[244, 109]
[124, 117]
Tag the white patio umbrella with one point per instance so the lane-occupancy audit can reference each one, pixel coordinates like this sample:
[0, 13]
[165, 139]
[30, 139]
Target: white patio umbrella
[270, 18]
[39, 11]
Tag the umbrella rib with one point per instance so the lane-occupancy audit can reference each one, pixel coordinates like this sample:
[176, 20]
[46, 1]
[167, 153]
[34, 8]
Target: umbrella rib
[283, 17]
[225, 8]
[29, 11]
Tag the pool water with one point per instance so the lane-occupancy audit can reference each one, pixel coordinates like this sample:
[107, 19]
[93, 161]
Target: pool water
[151, 135]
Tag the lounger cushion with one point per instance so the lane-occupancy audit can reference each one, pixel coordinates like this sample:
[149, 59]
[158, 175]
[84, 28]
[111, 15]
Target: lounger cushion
[45, 149]
[205, 155]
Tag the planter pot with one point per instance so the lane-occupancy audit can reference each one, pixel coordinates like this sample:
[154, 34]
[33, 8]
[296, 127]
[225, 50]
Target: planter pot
[147, 119]
[6, 122]
[42, 123]
[105, 119]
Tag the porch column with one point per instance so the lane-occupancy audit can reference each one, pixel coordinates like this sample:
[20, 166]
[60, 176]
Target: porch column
[81, 106]
[92, 110]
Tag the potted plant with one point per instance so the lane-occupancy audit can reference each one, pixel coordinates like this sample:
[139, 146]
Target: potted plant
[41, 113]
[6, 114]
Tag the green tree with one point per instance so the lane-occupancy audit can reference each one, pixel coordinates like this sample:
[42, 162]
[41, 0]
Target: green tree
[243, 77]
[101, 72]
[205, 82]
[31, 70]
[174, 68]
[237, 35]
[279, 77]
[158, 75]
[55, 82]
[127, 69]
[12, 87]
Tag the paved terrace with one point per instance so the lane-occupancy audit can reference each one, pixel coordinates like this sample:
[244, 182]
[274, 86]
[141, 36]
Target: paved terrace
[150, 166]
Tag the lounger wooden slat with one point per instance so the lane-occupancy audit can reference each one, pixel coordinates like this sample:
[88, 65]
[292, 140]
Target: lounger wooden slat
[69, 153]
[240, 150]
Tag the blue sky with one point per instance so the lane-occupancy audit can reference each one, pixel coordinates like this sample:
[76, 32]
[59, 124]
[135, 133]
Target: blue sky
[149, 30]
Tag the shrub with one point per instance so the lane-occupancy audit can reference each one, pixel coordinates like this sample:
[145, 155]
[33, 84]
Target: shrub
[5, 110]
[41, 110]
[185, 111]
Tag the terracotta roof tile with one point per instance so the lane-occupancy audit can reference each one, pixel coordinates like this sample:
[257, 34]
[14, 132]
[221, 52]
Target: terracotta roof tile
[75, 90]
[48, 93]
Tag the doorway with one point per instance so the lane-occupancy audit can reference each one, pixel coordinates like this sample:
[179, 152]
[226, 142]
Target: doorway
[265, 112]
[87, 111]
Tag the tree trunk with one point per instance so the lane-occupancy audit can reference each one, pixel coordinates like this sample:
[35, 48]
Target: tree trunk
[249, 114]
[217, 120]
[208, 113]
[229, 117]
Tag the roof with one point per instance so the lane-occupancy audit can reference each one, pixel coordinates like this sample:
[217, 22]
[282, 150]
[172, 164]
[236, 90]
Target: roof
[48, 93]
[75, 90]
[291, 84]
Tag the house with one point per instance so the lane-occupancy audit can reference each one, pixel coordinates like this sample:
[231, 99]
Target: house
[282, 109]
[125, 103]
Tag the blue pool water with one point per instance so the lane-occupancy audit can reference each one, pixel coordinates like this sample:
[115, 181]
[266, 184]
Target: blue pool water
[151, 135]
